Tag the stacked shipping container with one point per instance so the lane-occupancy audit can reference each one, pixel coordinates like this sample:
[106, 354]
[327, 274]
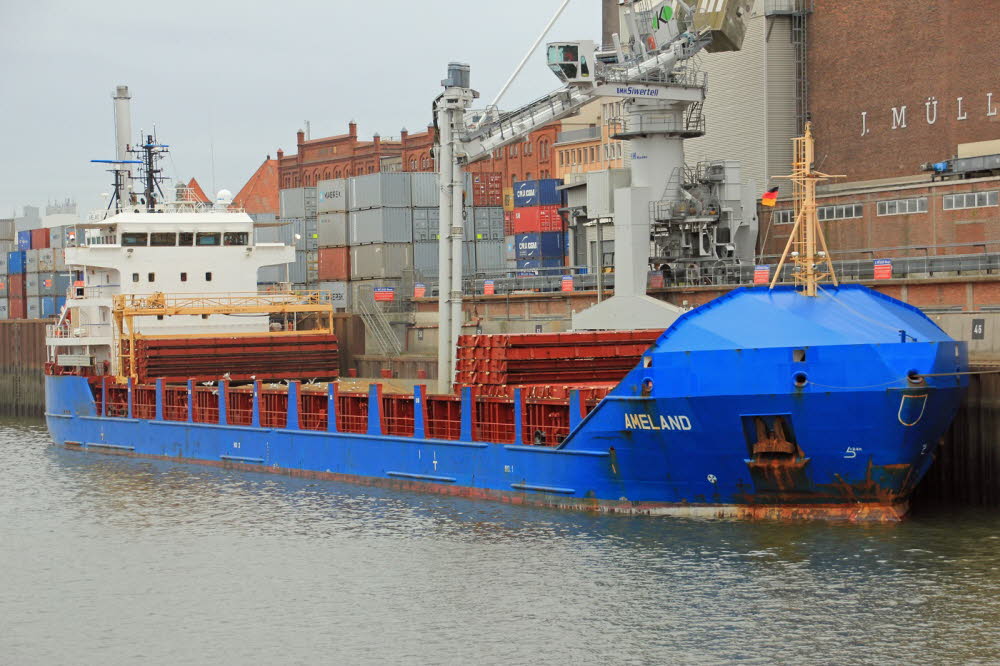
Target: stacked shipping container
[536, 230]
[33, 275]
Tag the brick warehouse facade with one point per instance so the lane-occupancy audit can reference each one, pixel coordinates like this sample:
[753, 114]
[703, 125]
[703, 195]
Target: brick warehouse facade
[918, 77]
[532, 158]
[344, 155]
[892, 87]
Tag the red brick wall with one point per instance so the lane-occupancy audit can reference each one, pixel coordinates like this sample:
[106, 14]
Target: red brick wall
[977, 228]
[869, 57]
[515, 165]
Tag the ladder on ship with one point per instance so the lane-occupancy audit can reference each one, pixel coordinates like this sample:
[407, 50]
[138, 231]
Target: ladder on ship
[377, 324]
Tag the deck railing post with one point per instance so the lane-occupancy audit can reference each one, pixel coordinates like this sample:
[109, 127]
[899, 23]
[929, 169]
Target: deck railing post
[375, 409]
[104, 396]
[331, 407]
[292, 422]
[255, 411]
[190, 401]
[575, 409]
[223, 417]
[419, 413]
[468, 405]
[130, 386]
[159, 399]
[518, 416]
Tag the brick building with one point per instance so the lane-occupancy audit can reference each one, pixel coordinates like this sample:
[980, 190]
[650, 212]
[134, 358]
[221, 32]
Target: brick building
[535, 157]
[585, 142]
[344, 155]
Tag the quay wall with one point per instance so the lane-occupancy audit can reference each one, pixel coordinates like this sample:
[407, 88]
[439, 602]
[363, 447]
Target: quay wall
[22, 361]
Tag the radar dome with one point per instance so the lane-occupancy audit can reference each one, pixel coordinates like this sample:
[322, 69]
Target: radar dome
[224, 196]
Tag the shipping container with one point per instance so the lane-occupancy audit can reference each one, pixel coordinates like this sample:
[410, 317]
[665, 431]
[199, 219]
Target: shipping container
[32, 285]
[274, 232]
[509, 247]
[297, 272]
[4, 309]
[425, 190]
[46, 260]
[339, 293]
[15, 286]
[18, 307]
[332, 196]
[269, 275]
[538, 193]
[53, 284]
[31, 261]
[24, 242]
[508, 199]
[537, 219]
[425, 258]
[537, 246]
[384, 189]
[547, 262]
[39, 239]
[304, 234]
[7, 246]
[3, 263]
[334, 263]
[298, 202]
[59, 257]
[487, 189]
[7, 230]
[488, 223]
[34, 307]
[483, 256]
[4, 289]
[381, 225]
[49, 306]
[601, 186]
[426, 223]
[333, 229]
[382, 260]
[57, 237]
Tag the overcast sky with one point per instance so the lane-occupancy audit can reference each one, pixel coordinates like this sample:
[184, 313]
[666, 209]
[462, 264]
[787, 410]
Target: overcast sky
[241, 78]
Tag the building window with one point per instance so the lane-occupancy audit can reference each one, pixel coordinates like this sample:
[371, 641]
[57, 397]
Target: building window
[513, 179]
[151, 277]
[234, 238]
[206, 238]
[970, 200]
[184, 277]
[782, 216]
[185, 239]
[593, 154]
[135, 277]
[902, 206]
[413, 165]
[208, 277]
[845, 212]
[512, 150]
[543, 149]
[527, 147]
[135, 240]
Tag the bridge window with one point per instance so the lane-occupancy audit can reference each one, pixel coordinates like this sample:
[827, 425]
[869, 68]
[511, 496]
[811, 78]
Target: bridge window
[163, 240]
[205, 238]
[185, 239]
[184, 277]
[135, 277]
[234, 238]
[151, 277]
[208, 277]
[132, 239]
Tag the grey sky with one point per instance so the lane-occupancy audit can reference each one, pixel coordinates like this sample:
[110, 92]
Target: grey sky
[241, 78]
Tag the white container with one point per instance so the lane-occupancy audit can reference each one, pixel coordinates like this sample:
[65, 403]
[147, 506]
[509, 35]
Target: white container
[4, 309]
[332, 229]
[383, 260]
[31, 261]
[34, 307]
[339, 293]
[391, 190]
[425, 190]
[381, 225]
[298, 202]
[332, 196]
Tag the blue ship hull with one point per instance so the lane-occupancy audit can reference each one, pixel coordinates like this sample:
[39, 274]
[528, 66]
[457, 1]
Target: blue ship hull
[840, 431]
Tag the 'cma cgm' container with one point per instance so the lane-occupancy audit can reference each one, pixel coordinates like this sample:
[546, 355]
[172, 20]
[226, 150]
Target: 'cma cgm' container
[537, 193]
[537, 246]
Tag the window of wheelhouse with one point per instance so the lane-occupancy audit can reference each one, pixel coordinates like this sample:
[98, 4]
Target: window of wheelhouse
[235, 238]
[206, 239]
[161, 239]
[185, 239]
[134, 239]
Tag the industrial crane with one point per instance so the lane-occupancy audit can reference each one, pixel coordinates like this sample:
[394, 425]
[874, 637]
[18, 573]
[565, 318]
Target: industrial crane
[661, 98]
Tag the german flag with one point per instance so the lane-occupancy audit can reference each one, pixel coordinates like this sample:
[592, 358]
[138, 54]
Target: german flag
[770, 197]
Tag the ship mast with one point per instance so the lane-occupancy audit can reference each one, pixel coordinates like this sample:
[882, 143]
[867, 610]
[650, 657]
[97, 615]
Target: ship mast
[802, 243]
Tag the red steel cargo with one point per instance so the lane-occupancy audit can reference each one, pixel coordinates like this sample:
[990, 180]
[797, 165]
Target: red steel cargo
[537, 219]
[335, 263]
[487, 189]
[39, 239]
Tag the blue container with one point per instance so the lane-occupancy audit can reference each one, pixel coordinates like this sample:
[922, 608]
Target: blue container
[538, 245]
[538, 193]
[16, 261]
[49, 306]
[63, 282]
[23, 240]
[547, 262]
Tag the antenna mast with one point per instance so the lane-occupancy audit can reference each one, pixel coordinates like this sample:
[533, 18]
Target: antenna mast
[802, 244]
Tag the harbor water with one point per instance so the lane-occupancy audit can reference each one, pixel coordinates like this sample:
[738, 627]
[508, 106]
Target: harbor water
[115, 560]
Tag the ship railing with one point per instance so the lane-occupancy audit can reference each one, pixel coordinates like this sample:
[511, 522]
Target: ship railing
[70, 331]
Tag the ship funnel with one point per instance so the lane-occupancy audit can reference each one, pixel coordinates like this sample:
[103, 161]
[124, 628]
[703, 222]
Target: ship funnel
[123, 134]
